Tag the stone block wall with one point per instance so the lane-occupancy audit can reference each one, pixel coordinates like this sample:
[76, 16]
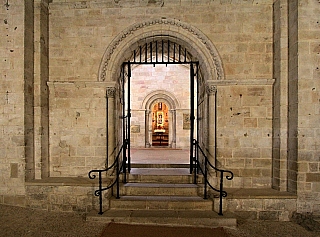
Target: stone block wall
[77, 128]
[265, 209]
[80, 32]
[308, 83]
[256, 40]
[244, 133]
[63, 198]
[13, 132]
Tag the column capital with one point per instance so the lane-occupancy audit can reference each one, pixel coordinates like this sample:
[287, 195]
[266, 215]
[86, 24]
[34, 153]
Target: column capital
[211, 89]
[111, 91]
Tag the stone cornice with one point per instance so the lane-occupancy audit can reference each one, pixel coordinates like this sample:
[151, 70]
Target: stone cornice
[241, 82]
[82, 84]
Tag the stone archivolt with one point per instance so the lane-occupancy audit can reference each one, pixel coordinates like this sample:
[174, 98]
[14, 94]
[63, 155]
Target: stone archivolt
[206, 43]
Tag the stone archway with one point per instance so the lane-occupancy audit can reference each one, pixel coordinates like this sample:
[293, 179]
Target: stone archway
[198, 45]
[148, 103]
[120, 50]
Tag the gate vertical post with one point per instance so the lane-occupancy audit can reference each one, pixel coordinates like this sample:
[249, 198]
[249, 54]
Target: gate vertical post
[211, 91]
[111, 124]
[129, 116]
[191, 115]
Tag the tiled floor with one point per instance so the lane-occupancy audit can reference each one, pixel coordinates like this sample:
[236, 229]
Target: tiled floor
[159, 156]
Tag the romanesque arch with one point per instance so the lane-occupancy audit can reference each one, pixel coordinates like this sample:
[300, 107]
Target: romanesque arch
[198, 45]
[120, 49]
[149, 101]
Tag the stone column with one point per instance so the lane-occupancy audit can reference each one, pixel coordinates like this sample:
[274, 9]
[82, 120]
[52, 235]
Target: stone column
[173, 128]
[147, 128]
[211, 91]
[110, 92]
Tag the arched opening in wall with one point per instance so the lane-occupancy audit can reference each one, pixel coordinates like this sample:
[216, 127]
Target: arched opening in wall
[161, 43]
[160, 125]
[160, 106]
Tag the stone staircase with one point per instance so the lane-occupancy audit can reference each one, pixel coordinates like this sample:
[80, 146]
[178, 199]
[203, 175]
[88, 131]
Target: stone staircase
[162, 195]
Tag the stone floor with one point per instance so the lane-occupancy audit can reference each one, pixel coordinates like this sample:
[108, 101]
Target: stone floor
[159, 156]
[18, 221]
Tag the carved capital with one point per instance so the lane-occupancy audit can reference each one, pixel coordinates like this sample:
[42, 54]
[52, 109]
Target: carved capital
[111, 91]
[211, 89]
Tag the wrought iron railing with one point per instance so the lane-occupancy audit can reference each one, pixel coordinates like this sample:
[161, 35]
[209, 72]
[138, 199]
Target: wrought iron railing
[207, 166]
[117, 168]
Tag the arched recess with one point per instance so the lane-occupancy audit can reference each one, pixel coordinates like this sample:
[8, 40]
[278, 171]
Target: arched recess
[147, 104]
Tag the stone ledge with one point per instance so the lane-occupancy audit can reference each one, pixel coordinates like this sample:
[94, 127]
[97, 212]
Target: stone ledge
[67, 181]
[258, 193]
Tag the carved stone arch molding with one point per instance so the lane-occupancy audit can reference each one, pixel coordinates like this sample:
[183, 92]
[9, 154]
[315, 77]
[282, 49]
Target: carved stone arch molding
[201, 48]
[167, 96]
[172, 102]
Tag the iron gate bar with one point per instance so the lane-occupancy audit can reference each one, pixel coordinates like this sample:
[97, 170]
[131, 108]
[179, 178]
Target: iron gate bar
[156, 51]
[140, 53]
[124, 159]
[107, 131]
[129, 118]
[174, 52]
[162, 50]
[152, 49]
[168, 50]
[151, 63]
[146, 53]
[191, 115]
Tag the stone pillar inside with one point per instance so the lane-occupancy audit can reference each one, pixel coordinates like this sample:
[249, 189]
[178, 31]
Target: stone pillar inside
[147, 128]
[110, 92]
[172, 128]
[211, 91]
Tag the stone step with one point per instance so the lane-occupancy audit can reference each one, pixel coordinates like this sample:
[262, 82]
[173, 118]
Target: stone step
[165, 218]
[164, 202]
[146, 165]
[161, 175]
[157, 189]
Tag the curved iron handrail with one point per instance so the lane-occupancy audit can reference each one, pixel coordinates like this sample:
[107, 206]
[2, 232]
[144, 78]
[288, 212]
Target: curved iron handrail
[98, 192]
[207, 163]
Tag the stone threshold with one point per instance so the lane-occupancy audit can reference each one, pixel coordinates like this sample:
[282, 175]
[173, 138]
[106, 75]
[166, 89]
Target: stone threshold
[258, 193]
[194, 218]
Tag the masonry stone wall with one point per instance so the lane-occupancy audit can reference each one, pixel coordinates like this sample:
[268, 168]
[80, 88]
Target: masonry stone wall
[12, 99]
[308, 84]
[81, 31]
[244, 134]
[78, 127]
[53, 106]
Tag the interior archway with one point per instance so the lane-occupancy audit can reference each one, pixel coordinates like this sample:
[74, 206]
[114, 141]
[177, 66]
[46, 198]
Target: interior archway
[129, 45]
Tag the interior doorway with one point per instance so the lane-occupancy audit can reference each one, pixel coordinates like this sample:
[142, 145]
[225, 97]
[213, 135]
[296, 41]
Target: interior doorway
[167, 60]
[160, 125]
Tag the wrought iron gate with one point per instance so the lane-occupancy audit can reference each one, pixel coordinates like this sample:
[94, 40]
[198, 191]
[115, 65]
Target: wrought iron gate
[156, 51]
